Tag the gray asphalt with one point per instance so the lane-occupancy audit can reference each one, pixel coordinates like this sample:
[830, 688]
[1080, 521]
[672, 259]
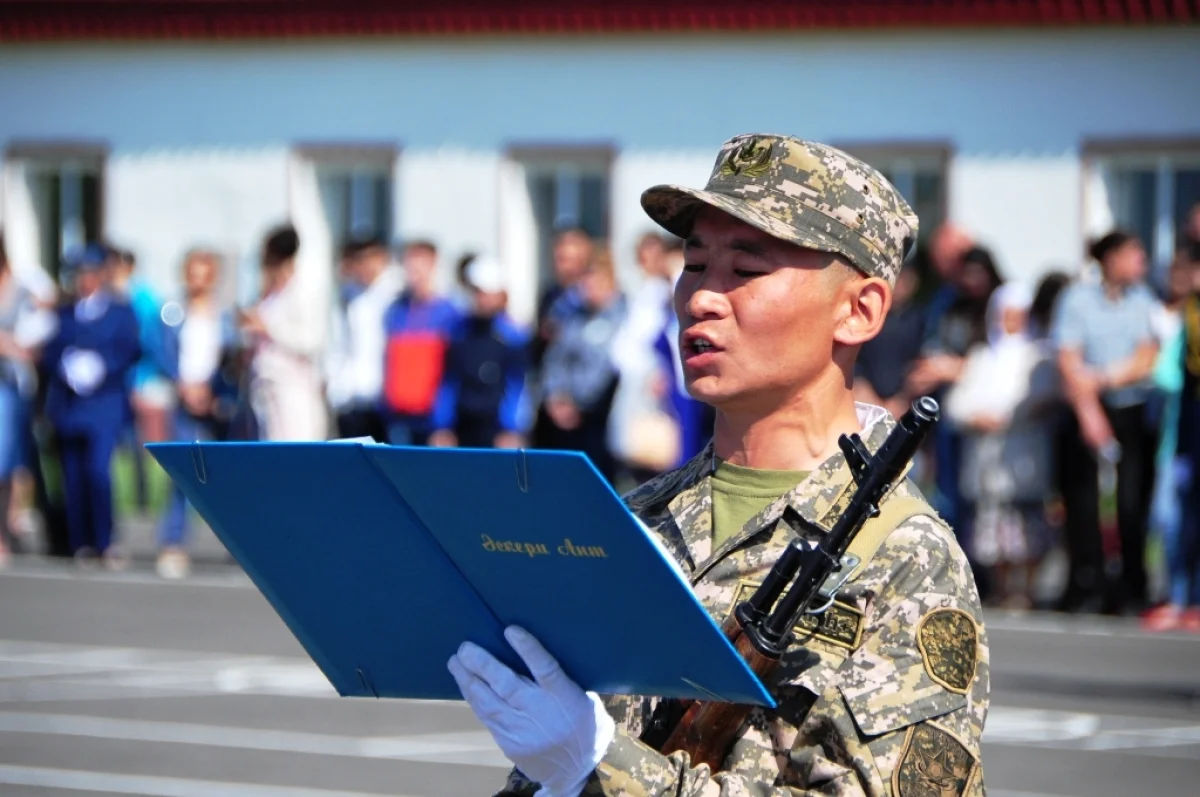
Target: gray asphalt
[122, 684]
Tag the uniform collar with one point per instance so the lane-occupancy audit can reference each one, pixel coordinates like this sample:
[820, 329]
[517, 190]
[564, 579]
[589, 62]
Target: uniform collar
[819, 499]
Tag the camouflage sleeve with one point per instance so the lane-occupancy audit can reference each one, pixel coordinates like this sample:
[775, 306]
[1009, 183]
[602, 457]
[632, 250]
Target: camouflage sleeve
[918, 687]
[900, 716]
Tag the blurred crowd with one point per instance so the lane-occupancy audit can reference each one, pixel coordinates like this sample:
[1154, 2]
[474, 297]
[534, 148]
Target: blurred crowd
[1071, 408]
[100, 364]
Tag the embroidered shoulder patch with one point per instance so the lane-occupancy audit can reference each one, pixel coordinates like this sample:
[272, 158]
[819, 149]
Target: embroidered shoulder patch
[932, 764]
[841, 624]
[949, 644]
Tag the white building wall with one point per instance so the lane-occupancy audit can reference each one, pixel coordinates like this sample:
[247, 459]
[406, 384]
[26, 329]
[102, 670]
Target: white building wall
[199, 134]
[449, 195]
[1027, 209]
[160, 203]
[633, 173]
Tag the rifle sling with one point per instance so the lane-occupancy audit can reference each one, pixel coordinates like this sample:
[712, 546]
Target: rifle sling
[893, 513]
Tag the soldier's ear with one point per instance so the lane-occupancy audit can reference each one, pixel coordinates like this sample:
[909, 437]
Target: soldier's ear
[863, 305]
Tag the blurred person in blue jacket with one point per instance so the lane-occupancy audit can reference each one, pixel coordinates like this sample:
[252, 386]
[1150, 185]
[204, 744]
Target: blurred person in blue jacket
[881, 373]
[482, 402]
[695, 418]
[418, 327]
[572, 251]
[150, 389]
[197, 333]
[87, 363]
[936, 371]
[578, 379]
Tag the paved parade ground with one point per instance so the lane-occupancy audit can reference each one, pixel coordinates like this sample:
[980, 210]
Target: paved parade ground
[128, 685]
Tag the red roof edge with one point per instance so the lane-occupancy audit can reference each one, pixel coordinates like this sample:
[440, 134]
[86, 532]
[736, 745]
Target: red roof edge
[45, 20]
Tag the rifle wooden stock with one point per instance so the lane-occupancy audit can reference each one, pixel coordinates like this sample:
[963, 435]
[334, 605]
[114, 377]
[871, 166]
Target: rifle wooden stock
[731, 628]
[707, 729]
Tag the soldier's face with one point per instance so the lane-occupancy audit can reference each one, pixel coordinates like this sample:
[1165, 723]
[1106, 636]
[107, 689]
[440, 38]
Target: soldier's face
[757, 316]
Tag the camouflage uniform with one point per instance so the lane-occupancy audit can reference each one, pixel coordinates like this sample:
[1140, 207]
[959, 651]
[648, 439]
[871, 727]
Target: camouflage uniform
[806, 193]
[887, 693]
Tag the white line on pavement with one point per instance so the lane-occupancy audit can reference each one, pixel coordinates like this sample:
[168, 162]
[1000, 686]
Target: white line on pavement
[79, 780]
[424, 747]
[151, 786]
[234, 578]
[1006, 726]
[1090, 625]
[1038, 623]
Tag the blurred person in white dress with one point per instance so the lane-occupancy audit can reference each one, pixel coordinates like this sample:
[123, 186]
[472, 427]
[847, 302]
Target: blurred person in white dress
[641, 434]
[286, 389]
[1003, 405]
[355, 360]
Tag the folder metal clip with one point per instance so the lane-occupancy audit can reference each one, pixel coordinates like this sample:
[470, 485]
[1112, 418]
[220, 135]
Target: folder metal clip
[198, 463]
[366, 682]
[523, 472]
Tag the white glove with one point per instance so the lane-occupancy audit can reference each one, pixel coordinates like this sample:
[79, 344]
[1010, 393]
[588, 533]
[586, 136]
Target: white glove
[552, 730]
[84, 370]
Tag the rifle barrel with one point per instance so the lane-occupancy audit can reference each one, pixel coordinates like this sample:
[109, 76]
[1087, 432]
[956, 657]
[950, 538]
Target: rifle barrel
[881, 471]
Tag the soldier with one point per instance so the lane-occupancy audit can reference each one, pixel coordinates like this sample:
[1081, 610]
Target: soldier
[792, 251]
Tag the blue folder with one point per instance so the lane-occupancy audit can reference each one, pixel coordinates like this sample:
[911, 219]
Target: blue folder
[383, 559]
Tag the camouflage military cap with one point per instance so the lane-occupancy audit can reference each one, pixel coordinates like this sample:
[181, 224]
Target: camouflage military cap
[806, 193]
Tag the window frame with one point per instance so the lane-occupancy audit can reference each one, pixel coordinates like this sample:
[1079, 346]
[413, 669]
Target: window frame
[58, 153]
[1159, 154]
[353, 153]
[603, 153]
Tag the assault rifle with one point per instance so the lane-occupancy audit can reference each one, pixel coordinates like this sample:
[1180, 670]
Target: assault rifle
[761, 627]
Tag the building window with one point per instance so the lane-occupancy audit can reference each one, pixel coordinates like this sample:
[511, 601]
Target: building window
[566, 188]
[1145, 188]
[919, 173]
[53, 198]
[354, 187]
